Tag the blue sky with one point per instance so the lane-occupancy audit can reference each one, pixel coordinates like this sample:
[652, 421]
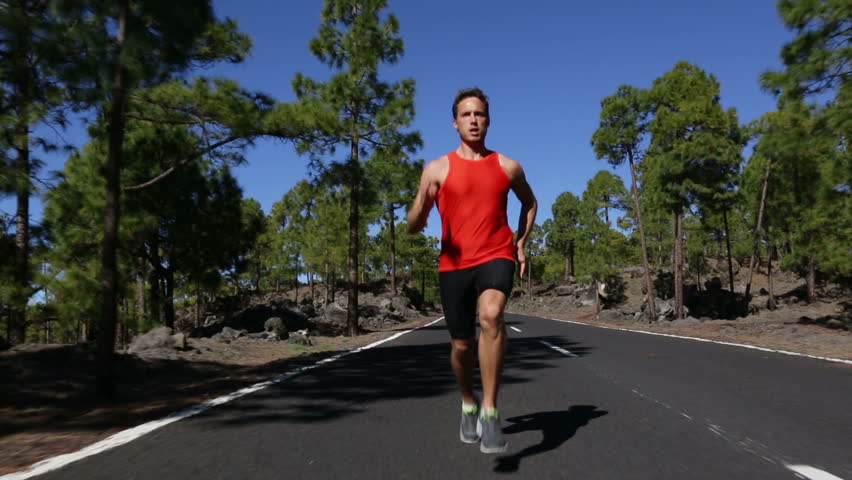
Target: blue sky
[545, 65]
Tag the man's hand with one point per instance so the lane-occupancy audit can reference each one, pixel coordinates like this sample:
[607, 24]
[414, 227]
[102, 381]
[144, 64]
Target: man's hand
[522, 259]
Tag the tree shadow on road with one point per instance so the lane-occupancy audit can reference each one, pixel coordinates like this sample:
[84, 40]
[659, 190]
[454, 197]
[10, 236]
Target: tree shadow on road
[386, 374]
[556, 428]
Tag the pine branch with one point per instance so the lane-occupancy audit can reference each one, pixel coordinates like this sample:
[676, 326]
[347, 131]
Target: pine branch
[183, 162]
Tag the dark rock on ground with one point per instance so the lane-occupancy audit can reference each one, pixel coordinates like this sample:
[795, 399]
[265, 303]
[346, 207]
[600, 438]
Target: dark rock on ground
[160, 337]
[274, 327]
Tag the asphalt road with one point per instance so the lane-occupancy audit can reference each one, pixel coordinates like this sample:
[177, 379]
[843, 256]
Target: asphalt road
[610, 405]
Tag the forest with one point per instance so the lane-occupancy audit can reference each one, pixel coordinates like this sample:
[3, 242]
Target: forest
[148, 218]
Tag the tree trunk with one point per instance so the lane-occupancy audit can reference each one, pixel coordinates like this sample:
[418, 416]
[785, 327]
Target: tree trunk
[156, 279]
[363, 270]
[119, 328]
[571, 255]
[758, 229]
[728, 246]
[423, 284]
[392, 219]
[141, 306]
[354, 190]
[297, 285]
[327, 283]
[197, 305]
[529, 275]
[109, 246]
[169, 297]
[811, 279]
[18, 306]
[770, 304]
[333, 284]
[678, 266]
[649, 285]
[311, 283]
[597, 298]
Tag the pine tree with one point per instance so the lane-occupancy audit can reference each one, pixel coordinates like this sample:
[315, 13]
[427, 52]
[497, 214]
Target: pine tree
[33, 58]
[142, 44]
[818, 61]
[562, 231]
[691, 150]
[818, 69]
[605, 191]
[354, 40]
[619, 137]
[534, 251]
[293, 234]
[396, 183]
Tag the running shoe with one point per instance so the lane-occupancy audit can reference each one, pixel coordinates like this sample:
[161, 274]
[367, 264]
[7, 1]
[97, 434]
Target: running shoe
[491, 433]
[467, 430]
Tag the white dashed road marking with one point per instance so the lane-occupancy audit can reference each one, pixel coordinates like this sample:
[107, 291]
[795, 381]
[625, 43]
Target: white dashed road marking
[515, 329]
[802, 471]
[560, 350]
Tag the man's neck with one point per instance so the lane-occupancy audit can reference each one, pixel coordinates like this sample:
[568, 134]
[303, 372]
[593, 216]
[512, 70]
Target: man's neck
[473, 151]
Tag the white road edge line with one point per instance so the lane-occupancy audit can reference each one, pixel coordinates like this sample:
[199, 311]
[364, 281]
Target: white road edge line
[699, 339]
[515, 329]
[126, 436]
[803, 470]
[560, 350]
[812, 473]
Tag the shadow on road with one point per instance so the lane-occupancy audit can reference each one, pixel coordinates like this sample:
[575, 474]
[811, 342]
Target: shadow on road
[556, 428]
[383, 374]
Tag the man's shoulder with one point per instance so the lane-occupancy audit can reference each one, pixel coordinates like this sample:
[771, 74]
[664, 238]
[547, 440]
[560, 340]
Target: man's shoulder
[438, 168]
[441, 161]
[511, 166]
[439, 164]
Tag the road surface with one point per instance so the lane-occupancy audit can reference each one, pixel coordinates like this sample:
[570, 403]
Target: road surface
[577, 402]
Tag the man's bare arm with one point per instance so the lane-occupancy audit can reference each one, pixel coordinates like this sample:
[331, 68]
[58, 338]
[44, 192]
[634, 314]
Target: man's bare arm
[529, 208]
[424, 201]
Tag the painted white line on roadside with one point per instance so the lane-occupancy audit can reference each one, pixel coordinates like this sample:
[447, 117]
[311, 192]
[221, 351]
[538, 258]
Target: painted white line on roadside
[560, 350]
[699, 339]
[803, 471]
[126, 436]
[515, 329]
[812, 473]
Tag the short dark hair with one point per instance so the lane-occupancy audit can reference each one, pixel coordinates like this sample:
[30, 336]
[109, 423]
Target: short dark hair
[468, 93]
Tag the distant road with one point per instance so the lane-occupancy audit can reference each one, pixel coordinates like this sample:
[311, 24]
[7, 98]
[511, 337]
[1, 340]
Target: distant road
[578, 402]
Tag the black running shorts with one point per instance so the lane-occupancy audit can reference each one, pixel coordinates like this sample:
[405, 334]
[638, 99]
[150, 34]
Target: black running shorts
[460, 290]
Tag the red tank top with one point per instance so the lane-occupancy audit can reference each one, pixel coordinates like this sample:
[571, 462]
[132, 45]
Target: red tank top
[472, 204]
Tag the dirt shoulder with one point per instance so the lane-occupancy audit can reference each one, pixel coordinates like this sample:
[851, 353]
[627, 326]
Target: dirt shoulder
[49, 406]
[778, 330]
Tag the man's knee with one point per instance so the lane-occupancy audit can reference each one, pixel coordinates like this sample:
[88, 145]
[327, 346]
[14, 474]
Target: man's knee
[463, 345]
[490, 316]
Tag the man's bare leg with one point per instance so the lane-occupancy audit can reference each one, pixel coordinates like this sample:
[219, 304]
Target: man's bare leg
[492, 344]
[461, 359]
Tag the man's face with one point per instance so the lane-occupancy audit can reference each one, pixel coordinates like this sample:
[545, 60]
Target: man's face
[471, 120]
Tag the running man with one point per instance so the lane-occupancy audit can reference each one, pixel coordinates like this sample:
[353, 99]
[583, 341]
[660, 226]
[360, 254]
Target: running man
[478, 253]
